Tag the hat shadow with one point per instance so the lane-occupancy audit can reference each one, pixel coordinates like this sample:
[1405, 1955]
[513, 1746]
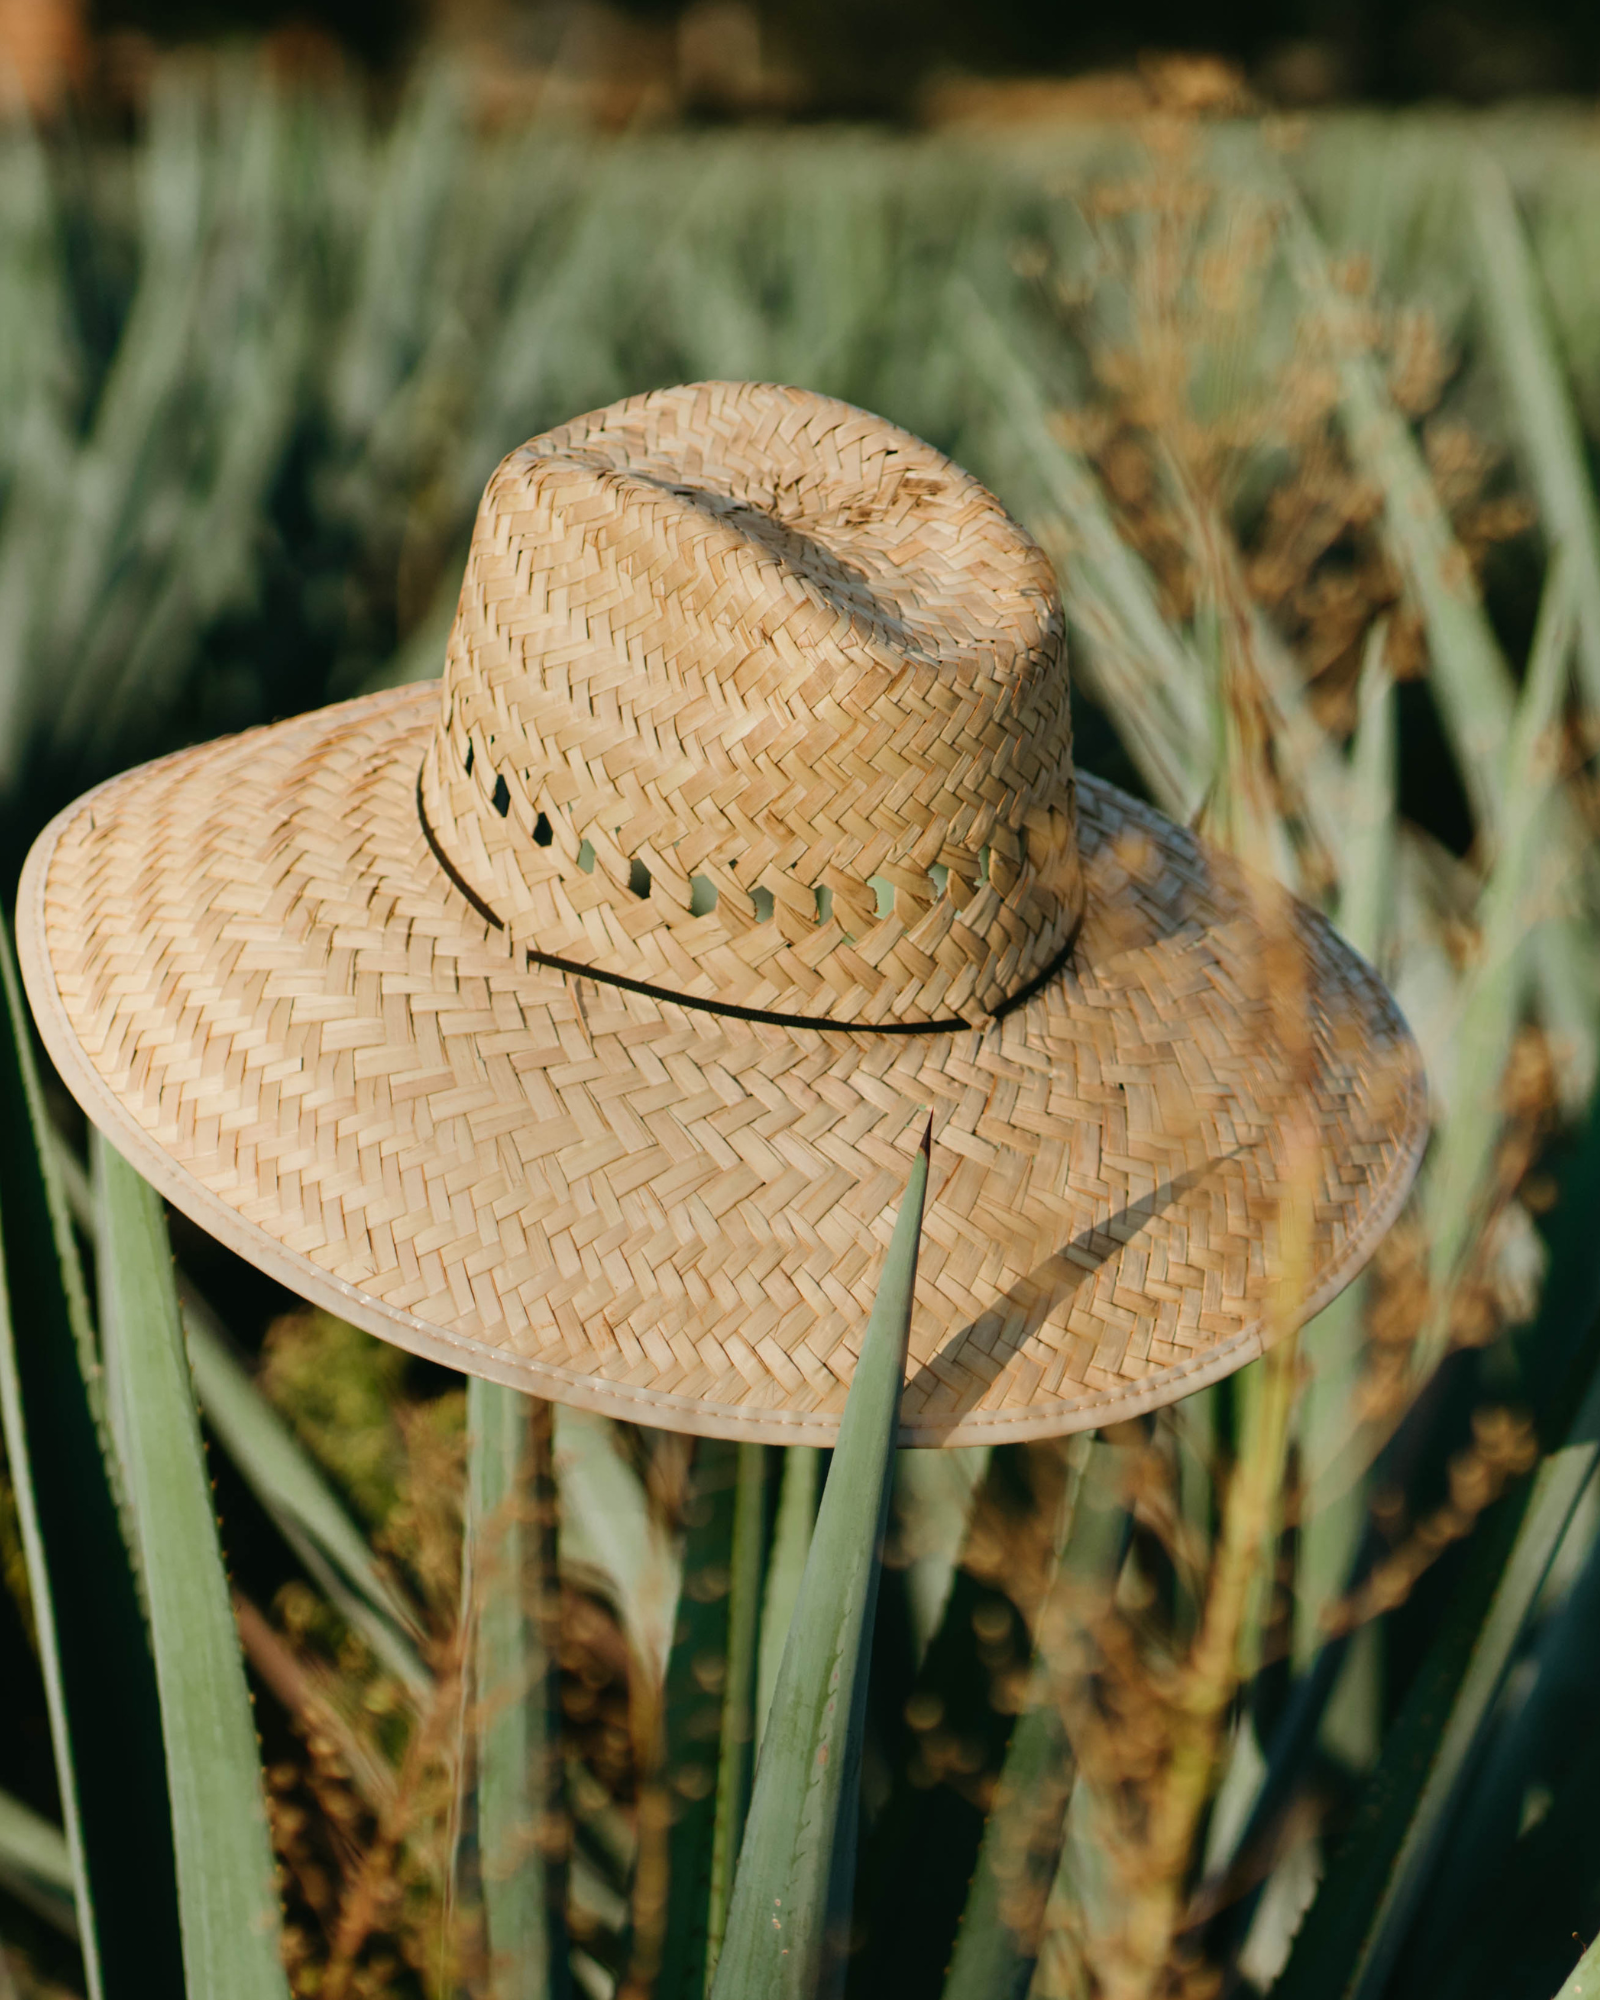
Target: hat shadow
[981, 1349]
[828, 570]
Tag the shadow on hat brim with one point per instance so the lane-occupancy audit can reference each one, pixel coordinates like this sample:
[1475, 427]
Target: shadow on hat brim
[253, 975]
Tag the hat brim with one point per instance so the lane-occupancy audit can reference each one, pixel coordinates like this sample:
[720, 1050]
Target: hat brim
[255, 977]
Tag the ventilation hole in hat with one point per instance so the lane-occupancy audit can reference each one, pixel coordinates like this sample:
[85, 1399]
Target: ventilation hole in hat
[983, 864]
[884, 891]
[765, 903]
[638, 877]
[542, 831]
[586, 857]
[939, 876]
[502, 796]
[824, 896]
[702, 895]
[471, 753]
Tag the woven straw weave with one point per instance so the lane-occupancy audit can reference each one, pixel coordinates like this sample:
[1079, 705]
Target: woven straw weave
[271, 977]
[738, 636]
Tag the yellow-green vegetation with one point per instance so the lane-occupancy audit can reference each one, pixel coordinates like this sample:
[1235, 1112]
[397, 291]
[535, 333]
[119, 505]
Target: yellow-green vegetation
[1288, 1689]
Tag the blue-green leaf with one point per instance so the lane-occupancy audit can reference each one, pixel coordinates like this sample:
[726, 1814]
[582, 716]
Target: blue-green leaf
[105, 1726]
[310, 1516]
[511, 1558]
[227, 1897]
[790, 1905]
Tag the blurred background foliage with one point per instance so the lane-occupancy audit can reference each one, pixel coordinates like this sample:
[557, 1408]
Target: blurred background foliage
[1305, 411]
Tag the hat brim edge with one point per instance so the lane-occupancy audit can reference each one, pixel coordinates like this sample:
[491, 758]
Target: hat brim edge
[659, 1408]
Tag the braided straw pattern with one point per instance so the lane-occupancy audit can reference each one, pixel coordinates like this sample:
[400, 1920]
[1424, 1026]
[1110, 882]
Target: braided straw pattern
[251, 969]
[753, 697]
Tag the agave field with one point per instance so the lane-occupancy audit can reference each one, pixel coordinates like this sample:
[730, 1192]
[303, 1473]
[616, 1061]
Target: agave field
[1288, 1689]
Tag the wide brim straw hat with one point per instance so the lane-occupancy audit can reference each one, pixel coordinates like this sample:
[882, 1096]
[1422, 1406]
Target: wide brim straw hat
[574, 1020]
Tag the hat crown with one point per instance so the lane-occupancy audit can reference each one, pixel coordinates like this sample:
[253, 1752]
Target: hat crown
[753, 697]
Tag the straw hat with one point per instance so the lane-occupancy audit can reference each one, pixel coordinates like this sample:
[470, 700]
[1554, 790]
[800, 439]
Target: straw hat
[574, 1021]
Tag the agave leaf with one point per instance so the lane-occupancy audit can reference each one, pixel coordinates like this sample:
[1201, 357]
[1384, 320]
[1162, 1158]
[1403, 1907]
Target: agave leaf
[1509, 1883]
[288, 1483]
[1023, 1838]
[36, 1864]
[925, 1837]
[1141, 661]
[791, 1896]
[1557, 1489]
[933, 1499]
[791, 1545]
[692, 1727]
[1514, 907]
[1583, 1982]
[105, 1727]
[227, 1894]
[998, 1943]
[1366, 864]
[738, 1690]
[1358, 1924]
[279, 1471]
[1552, 439]
[611, 1537]
[511, 1564]
[1470, 678]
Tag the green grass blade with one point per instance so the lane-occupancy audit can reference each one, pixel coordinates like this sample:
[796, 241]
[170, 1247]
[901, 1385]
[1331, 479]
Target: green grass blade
[510, 1522]
[791, 1545]
[738, 1690]
[288, 1483]
[227, 1896]
[1551, 436]
[105, 1727]
[791, 1894]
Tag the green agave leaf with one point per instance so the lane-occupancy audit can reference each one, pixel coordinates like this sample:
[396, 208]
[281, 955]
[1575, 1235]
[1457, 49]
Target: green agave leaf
[1510, 298]
[1145, 666]
[791, 1895]
[925, 1839]
[998, 1942]
[1470, 678]
[288, 1483]
[1583, 1983]
[512, 1571]
[279, 1470]
[1361, 1919]
[612, 1539]
[1001, 1926]
[1516, 1887]
[105, 1725]
[1557, 1489]
[1512, 913]
[36, 1864]
[791, 1545]
[227, 1895]
[738, 1692]
[692, 1725]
